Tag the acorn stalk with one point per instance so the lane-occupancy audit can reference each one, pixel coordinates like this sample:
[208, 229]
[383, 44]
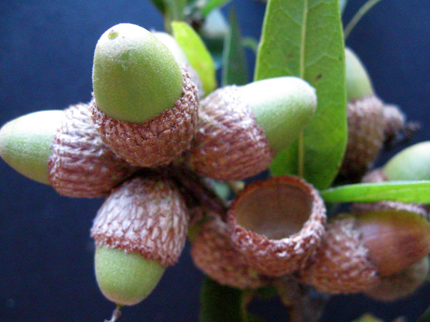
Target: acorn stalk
[241, 128]
[145, 106]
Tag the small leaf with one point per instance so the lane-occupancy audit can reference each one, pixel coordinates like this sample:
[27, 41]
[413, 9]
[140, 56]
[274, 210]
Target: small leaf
[304, 38]
[213, 4]
[221, 303]
[404, 191]
[235, 69]
[197, 53]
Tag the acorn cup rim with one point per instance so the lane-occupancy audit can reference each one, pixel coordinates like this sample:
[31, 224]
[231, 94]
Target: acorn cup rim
[277, 257]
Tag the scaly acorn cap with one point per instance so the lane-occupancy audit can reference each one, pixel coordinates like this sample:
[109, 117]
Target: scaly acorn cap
[214, 255]
[242, 128]
[145, 215]
[377, 175]
[357, 251]
[401, 284]
[366, 123]
[25, 143]
[157, 141]
[145, 106]
[125, 278]
[63, 149]
[412, 163]
[277, 224]
[80, 164]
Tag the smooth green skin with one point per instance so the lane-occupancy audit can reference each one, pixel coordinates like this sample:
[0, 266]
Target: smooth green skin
[135, 76]
[412, 163]
[358, 84]
[125, 278]
[282, 106]
[25, 143]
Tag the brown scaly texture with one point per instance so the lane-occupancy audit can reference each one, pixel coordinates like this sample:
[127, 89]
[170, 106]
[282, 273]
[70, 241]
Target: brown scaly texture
[277, 224]
[229, 144]
[365, 136]
[145, 215]
[81, 165]
[341, 264]
[377, 175]
[157, 141]
[213, 253]
[402, 284]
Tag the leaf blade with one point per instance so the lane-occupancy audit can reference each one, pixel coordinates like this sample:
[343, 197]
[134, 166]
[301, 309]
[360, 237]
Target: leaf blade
[235, 69]
[197, 53]
[404, 191]
[304, 38]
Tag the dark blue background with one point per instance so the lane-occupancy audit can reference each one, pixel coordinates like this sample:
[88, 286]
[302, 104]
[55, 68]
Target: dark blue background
[46, 255]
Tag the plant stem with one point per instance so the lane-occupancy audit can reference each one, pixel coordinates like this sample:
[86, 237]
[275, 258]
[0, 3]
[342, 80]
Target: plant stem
[115, 314]
[360, 13]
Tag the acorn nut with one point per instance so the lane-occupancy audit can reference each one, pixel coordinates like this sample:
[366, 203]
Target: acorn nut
[241, 128]
[145, 106]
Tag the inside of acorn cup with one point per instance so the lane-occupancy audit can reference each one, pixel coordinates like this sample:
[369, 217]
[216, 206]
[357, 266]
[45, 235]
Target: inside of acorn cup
[276, 210]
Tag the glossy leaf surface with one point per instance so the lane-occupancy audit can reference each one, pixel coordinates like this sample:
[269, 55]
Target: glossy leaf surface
[304, 38]
[404, 191]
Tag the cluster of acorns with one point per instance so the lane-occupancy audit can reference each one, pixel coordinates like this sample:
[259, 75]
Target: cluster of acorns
[147, 142]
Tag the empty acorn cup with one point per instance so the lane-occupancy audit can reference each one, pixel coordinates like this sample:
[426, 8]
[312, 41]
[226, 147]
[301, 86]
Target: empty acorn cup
[241, 128]
[277, 224]
[145, 106]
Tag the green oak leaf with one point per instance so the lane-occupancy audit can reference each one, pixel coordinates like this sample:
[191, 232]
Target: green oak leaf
[304, 38]
[234, 69]
[404, 191]
[197, 53]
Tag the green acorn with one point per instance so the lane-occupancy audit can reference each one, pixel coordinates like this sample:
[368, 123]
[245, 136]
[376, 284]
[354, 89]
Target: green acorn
[365, 120]
[241, 128]
[412, 163]
[139, 230]
[63, 149]
[145, 106]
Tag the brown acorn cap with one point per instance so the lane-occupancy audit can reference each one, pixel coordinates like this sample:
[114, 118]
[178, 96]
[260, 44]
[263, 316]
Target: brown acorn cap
[365, 136]
[157, 141]
[401, 284]
[341, 264]
[277, 224]
[81, 165]
[229, 144]
[145, 215]
[213, 253]
[395, 239]
[377, 175]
